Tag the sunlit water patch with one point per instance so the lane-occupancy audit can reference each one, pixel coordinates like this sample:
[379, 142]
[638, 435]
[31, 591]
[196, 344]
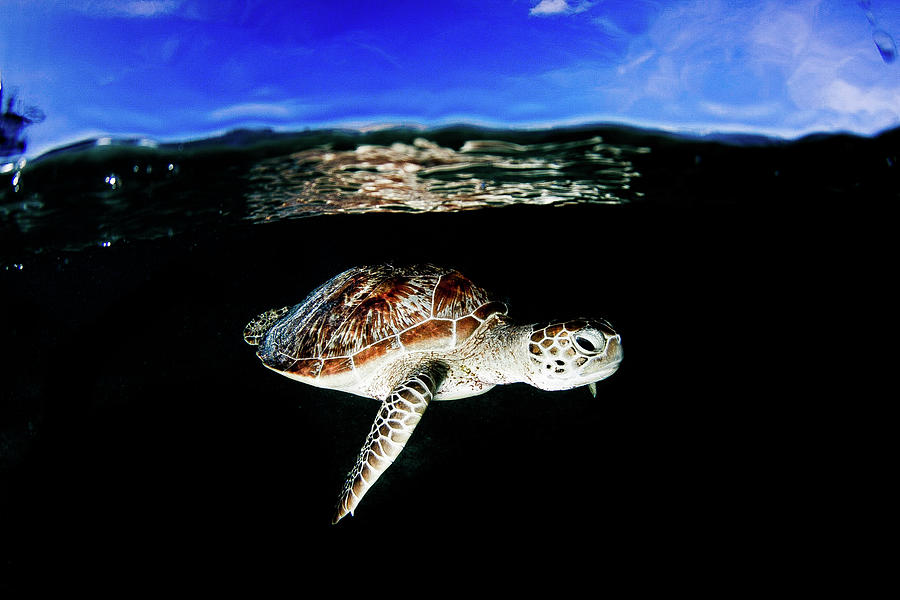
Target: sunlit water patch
[423, 176]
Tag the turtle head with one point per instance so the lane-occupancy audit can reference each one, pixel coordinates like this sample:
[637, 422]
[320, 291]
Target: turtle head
[569, 354]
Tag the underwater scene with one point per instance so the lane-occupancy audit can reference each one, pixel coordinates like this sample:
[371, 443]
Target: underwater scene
[134, 414]
[145, 445]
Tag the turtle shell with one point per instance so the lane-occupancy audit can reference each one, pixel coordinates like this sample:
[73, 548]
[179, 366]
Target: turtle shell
[367, 314]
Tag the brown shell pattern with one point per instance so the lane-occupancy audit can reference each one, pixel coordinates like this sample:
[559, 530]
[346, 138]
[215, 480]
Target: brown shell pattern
[366, 312]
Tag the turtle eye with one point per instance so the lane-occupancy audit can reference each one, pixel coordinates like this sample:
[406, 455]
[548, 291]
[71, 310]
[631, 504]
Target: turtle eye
[589, 342]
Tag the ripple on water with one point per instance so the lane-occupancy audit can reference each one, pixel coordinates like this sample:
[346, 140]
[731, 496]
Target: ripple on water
[424, 176]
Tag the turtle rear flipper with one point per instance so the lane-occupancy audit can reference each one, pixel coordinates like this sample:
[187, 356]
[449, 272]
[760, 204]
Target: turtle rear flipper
[258, 327]
[397, 418]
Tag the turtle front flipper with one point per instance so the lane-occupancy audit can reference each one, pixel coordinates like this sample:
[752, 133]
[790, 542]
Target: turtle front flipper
[398, 416]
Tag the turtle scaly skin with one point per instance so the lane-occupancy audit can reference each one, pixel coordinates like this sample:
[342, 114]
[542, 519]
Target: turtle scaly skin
[409, 335]
[393, 426]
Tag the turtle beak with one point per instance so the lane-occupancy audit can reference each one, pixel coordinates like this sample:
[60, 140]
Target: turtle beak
[593, 388]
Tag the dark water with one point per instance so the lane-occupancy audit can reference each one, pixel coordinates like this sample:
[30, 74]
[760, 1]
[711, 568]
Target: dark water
[141, 439]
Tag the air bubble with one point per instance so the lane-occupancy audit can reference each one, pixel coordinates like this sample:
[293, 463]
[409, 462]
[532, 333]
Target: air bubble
[885, 44]
[883, 40]
[113, 181]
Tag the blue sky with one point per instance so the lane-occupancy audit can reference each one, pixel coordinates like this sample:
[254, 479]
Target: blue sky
[177, 69]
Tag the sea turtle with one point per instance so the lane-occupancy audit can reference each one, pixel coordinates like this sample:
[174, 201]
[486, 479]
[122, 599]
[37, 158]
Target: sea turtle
[406, 335]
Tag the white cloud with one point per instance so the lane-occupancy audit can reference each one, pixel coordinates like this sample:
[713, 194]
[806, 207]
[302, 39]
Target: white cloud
[782, 35]
[148, 8]
[751, 112]
[633, 63]
[550, 7]
[260, 110]
[843, 97]
[128, 8]
[609, 27]
[767, 65]
[558, 7]
[286, 111]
